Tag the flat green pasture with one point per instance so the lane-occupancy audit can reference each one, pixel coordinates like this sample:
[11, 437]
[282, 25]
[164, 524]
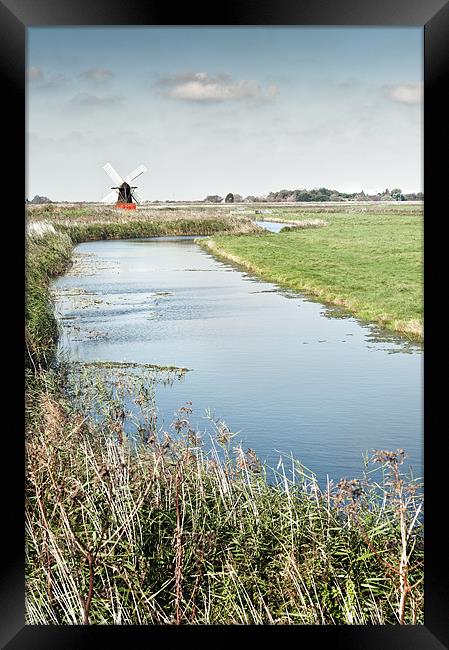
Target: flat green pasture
[370, 262]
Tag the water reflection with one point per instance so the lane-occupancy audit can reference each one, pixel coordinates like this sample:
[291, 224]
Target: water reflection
[278, 368]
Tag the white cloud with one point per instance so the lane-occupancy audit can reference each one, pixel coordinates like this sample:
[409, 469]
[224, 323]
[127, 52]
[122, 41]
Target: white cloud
[200, 87]
[405, 93]
[96, 74]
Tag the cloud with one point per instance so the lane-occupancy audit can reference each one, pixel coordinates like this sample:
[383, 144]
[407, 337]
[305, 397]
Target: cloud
[41, 81]
[200, 87]
[96, 74]
[405, 93]
[34, 73]
[88, 100]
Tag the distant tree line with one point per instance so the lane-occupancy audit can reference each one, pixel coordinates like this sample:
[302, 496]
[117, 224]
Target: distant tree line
[317, 194]
[230, 198]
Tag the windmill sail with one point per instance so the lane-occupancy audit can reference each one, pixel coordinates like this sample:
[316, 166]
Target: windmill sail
[134, 174]
[111, 197]
[108, 168]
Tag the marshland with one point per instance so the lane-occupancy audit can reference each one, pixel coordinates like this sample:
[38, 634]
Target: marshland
[216, 427]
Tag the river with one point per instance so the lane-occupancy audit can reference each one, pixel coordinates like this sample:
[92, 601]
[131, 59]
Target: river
[289, 374]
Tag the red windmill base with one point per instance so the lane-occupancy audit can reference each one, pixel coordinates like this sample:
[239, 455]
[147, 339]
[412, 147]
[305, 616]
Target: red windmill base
[126, 206]
[124, 194]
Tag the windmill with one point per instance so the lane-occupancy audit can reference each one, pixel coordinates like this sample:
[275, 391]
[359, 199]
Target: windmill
[123, 193]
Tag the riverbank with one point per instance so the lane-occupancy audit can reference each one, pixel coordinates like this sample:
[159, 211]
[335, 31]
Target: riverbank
[48, 254]
[369, 264]
[165, 533]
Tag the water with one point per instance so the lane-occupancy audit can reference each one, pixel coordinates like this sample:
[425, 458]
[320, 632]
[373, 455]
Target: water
[272, 226]
[289, 374]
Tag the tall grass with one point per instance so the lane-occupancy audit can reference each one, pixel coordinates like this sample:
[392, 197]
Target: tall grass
[166, 530]
[305, 223]
[80, 232]
[48, 253]
[108, 222]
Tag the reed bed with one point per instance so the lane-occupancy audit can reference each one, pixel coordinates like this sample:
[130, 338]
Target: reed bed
[107, 222]
[37, 229]
[305, 223]
[162, 528]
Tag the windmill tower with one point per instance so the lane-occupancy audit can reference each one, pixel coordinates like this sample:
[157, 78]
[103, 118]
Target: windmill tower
[123, 194]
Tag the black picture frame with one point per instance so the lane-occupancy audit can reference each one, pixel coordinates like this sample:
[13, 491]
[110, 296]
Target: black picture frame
[18, 15]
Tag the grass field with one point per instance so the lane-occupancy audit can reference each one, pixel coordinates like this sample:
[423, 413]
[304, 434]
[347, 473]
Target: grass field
[369, 260]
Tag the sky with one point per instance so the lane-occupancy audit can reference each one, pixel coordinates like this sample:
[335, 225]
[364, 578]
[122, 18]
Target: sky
[212, 110]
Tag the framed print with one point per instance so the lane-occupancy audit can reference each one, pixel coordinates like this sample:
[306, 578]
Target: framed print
[229, 420]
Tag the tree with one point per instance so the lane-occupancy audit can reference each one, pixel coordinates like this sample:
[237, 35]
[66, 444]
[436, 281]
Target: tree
[303, 195]
[40, 199]
[396, 194]
[229, 198]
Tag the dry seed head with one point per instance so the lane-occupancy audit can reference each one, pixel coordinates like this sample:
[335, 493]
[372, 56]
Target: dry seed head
[390, 457]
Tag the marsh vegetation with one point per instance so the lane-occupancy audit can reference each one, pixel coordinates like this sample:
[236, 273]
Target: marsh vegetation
[107, 222]
[161, 528]
[165, 532]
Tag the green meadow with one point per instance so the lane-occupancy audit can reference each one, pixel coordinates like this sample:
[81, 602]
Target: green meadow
[367, 260]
